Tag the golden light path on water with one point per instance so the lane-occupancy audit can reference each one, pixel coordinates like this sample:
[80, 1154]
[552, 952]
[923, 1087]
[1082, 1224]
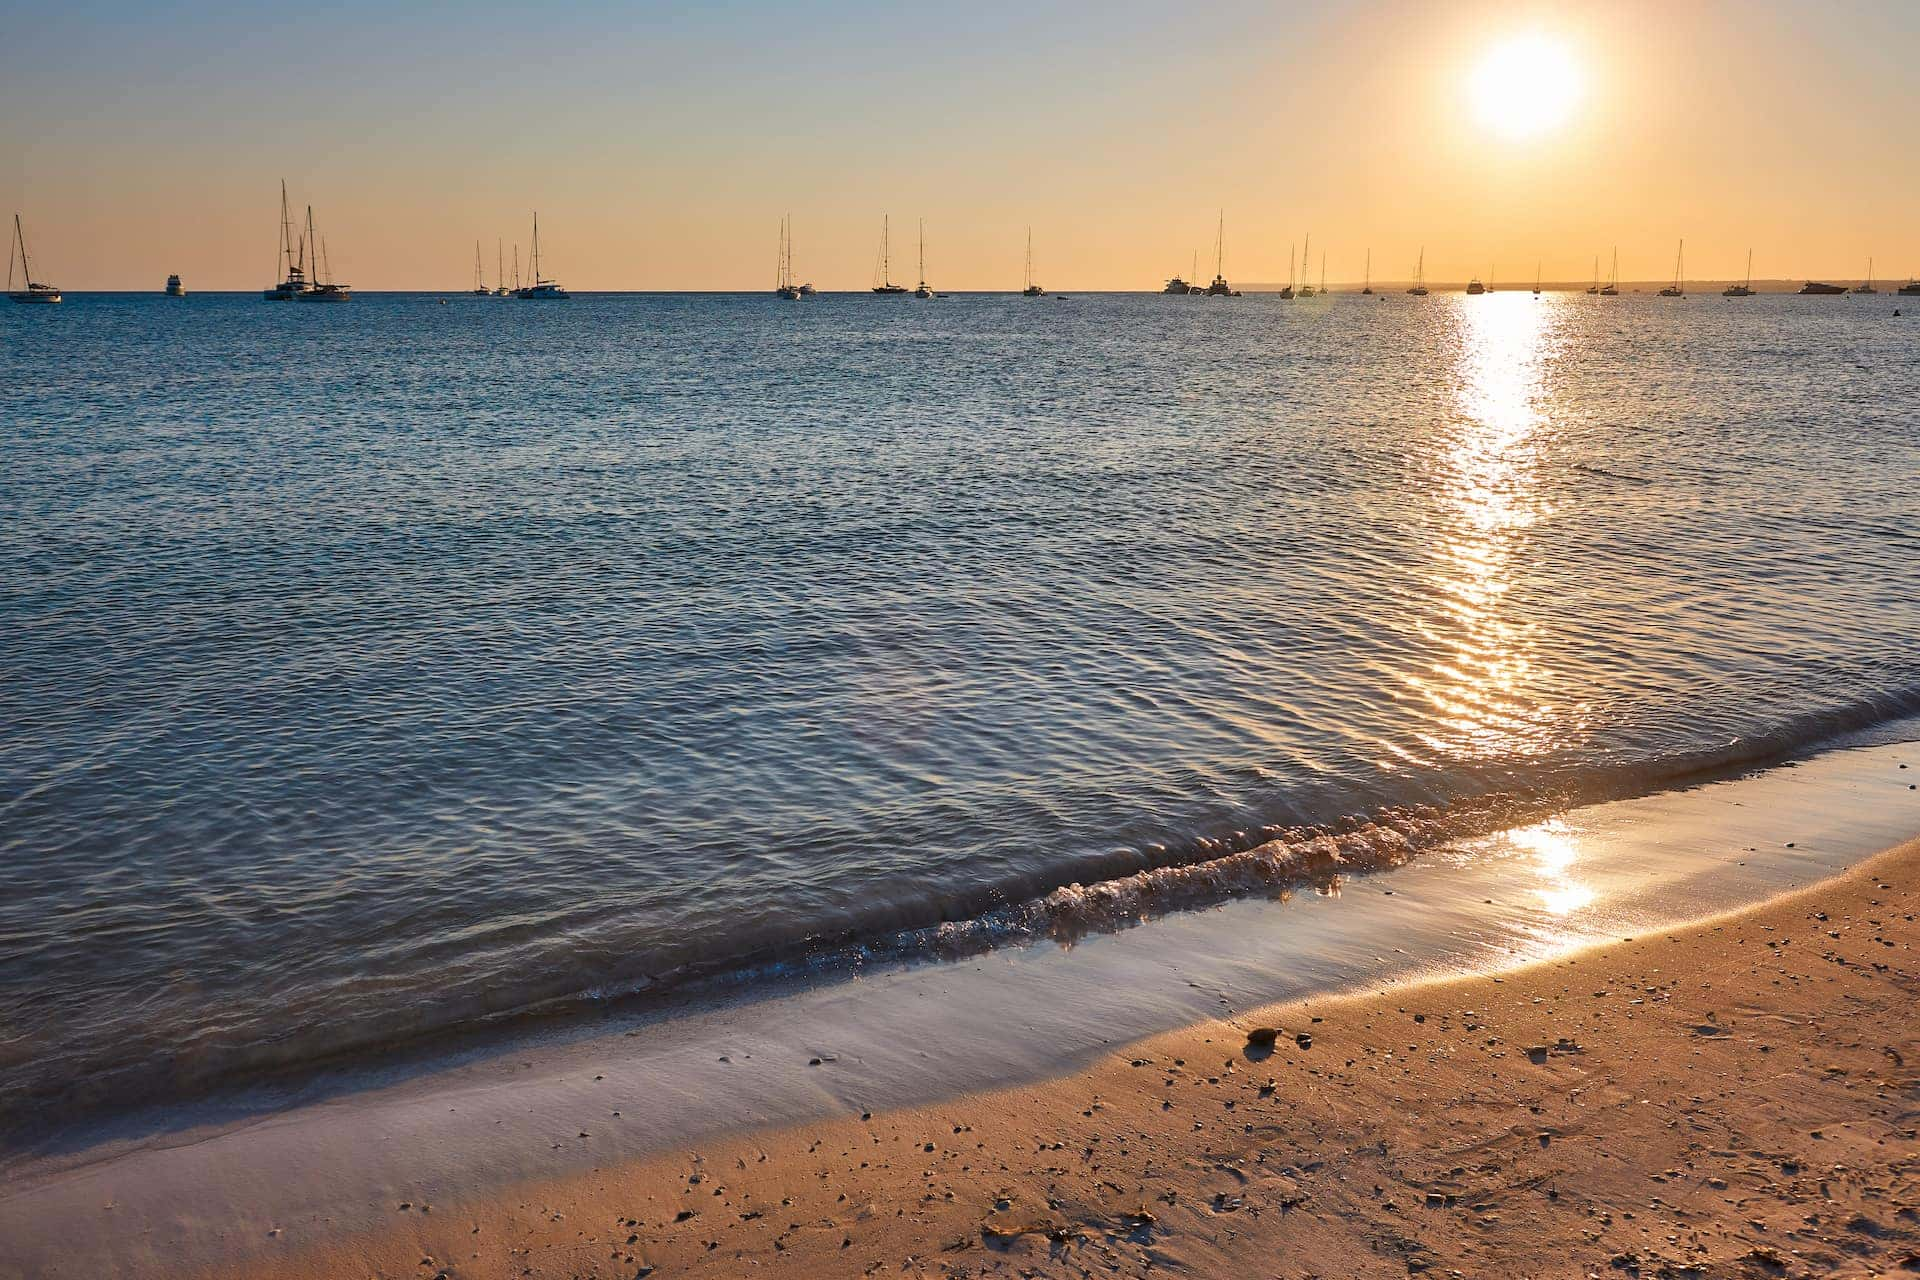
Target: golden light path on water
[1486, 694]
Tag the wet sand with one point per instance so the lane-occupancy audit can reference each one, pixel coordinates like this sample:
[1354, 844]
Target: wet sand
[1735, 1096]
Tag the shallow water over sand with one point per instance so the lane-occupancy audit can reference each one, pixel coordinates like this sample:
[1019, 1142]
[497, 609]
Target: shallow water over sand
[375, 671]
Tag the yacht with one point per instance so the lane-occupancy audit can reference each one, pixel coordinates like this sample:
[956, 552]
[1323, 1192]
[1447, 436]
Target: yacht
[500, 289]
[1866, 286]
[1419, 289]
[35, 292]
[1032, 290]
[921, 290]
[884, 283]
[783, 285]
[1818, 288]
[1611, 289]
[1475, 288]
[540, 290]
[174, 288]
[1678, 289]
[293, 283]
[1911, 289]
[1741, 290]
[1220, 288]
[323, 287]
[1306, 257]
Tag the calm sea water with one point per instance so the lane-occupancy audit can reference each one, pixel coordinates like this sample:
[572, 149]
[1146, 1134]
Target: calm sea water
[376, 670]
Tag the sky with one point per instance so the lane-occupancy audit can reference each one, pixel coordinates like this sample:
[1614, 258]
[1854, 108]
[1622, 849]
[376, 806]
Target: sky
[662, 143]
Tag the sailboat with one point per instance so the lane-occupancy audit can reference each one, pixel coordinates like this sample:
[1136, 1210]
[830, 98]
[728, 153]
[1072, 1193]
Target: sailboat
[921, 290]
[885, 284]
[1287, 290]
[540, 290]
[1867, 285]
[1611, 289]
[479, 289]
[1032, 290]
[1678, 289]
[1595, 286]
[294, 283]
[35, 292]
[1419, 289]
[1306, 256]
[1323, 271]
[1220, 288]
[783, 285]
[1741, 290]
[323, 288]
[1367, 287]
[500, 289]
[1536, 277]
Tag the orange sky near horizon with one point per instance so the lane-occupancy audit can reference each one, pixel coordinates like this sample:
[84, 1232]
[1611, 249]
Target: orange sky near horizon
[661, 148]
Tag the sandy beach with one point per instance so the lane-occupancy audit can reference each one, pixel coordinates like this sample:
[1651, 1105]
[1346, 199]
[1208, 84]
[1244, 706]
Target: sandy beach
[1738, 1096]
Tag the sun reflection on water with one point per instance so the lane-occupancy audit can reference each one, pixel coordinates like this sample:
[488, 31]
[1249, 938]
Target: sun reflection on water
[1484, 690]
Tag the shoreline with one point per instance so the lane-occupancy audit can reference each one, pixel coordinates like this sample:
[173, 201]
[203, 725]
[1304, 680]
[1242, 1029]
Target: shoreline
[310, 1185]
[1734, 1093]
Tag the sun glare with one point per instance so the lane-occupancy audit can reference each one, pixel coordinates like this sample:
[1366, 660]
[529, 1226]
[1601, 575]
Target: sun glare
[1525, 86]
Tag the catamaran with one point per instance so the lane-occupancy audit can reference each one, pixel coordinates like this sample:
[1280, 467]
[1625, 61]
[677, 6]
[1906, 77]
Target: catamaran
[884, 283]
[35, 292]
[293, 283]
[324, 288]
[1741, 290]
[783, 285]
[1419, 289]
[1220, 288]
[540, 290]
[1678, 289]
[921, 290]
[1032, 290]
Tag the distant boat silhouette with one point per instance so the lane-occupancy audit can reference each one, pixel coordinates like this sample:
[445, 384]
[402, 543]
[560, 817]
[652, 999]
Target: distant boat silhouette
[1678, 288]
[1032, 290]
[500, 289]
[922, 291]
[479, 289]
[1475, 288]
[1419, 289]
[174, 288]
[884, 283]
[1820, 289]
[1612, 287]
[1536, 278]
[540, 290]
[1186, 288]
[1867, 285]
[1306, 257]
[323, 286]
[1367, 287]
[1220, 288]
[783, 285]
[1286, 290]
[1910, 289]
[294, 282]
[35, 292]
[1741, 290]
[1595, 286]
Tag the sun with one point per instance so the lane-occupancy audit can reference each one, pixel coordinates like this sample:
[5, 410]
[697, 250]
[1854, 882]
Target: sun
[1526, 86]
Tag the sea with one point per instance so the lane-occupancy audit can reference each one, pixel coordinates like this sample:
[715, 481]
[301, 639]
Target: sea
[381, 674]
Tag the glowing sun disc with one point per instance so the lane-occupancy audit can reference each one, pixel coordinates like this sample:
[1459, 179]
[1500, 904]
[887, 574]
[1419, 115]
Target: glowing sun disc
[1525, 86]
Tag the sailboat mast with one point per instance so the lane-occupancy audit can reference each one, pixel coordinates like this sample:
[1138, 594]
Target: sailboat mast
[923, 251]
[310, 245]
[1367, 283]
[1290, 275]
[1749, 269]
[499, 261]
[25, 267]
[1220, 247]
[1029, 283]
[536, 247]
[1306, 256]
[886, 248]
